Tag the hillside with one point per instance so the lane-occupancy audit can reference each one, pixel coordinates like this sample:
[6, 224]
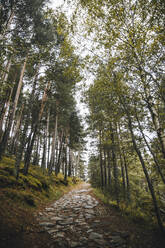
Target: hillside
[21, 199]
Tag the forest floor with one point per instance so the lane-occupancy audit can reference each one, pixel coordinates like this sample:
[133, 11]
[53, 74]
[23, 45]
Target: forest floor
[78, 219]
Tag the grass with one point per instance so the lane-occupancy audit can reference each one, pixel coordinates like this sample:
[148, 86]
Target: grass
[143, 229]
[132, 211]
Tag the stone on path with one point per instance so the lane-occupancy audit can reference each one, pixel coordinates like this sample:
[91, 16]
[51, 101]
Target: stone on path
[74, 222]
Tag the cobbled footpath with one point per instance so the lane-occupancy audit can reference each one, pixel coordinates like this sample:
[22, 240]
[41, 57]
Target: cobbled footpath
[78, 220]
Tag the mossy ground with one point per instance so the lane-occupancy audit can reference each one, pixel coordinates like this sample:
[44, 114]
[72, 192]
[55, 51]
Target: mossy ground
[20, 199]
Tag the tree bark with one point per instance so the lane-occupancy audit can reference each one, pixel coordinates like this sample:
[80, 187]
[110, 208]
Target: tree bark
[101, 162]
[150, 186]
[31, 142]
[105, 169]
[5, 137]
[114, 165]
[52, 159]
[109, 168]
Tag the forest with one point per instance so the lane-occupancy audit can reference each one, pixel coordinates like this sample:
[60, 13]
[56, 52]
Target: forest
[112, 52]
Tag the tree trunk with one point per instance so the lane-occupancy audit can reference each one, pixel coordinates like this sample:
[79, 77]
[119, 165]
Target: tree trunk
[5, 137]
[52, 159]
[66, 164]
[150, 186]
[151, 151]
[109, 168]
[105, 169]
[4, 113]
[114, 165]
[31, 143]
[70, 163]
[15, 132]
[57, 168]
[101, 162]
[127, 178]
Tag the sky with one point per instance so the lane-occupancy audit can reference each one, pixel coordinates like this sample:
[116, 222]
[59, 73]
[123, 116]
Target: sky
[82, 108]
[56, 3]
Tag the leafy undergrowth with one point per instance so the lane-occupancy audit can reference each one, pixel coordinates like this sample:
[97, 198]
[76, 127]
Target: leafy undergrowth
[20, 199]
[143, 230]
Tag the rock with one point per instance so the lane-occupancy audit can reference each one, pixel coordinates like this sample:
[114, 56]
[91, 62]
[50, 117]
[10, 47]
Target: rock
[124, 235]
[70, 222]
[56, 218]
[52, 231]
[88, 207]
[94, 236]
[66, 222]
[59, 235]
[60, 243]
[74, 244]
[117, 240]
[46, 224]
[49, 209]
[88, 216]
[101, 242]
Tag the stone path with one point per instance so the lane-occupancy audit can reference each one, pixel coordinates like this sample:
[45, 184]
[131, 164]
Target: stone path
[78, 220]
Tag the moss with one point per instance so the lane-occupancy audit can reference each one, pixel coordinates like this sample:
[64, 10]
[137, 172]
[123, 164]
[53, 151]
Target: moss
[32, 189]
[7, 181]
[69, 181]
[20, 196]
[31, 182]
[3, 172]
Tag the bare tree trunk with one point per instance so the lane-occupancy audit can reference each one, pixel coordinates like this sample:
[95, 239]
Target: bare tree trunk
[4, 113]
[15, 131]
[66, 164]
[114, 165]
[47, 139]
[150, 186]
[52, 159]
[105, 169]
[127, 178]
[6, 73]
[5, 137]
[109, 168]
[154, 115]
[57, 168]
[70, 163]
[31, 143]
[101, 162]
[151, 151]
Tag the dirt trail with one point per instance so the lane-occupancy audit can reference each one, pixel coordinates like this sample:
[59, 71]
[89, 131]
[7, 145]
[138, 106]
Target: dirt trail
[79, 220]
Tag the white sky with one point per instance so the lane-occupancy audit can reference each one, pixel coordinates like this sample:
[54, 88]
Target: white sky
[56, 3]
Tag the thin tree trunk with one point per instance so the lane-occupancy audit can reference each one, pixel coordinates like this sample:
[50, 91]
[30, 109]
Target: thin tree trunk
[57, 169]
[47, 139]
[4, 113]
[52, 159]
[151, 151]
[31, 143]
[114, 165]
[150, 186]
[70, 164]
[5, 137]
[127, 178]
[66, 164]
[15, 131]
[109, 168]
[105, 169]
[101, 162]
